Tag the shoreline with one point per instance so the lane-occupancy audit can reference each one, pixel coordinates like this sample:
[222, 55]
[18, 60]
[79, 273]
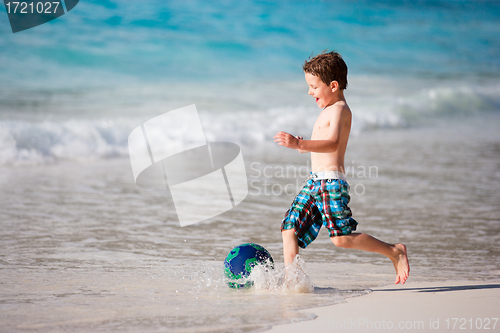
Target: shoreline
[470, 306]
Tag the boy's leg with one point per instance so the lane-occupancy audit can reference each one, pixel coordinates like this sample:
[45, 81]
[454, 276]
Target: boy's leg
[290, 245]
[299, 217]
[396, 252]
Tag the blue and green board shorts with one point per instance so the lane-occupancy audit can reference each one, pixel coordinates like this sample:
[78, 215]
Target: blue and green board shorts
[320, 202]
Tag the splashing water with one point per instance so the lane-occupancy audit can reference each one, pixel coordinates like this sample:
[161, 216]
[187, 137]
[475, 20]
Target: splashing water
[290, 279]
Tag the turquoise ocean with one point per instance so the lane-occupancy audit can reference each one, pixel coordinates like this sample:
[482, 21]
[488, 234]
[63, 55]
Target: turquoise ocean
[83, 249]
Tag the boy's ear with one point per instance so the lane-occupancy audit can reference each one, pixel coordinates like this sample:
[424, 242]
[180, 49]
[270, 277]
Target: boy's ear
[334, 85]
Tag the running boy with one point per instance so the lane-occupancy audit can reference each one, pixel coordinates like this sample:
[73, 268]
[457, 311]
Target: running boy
[324, 199]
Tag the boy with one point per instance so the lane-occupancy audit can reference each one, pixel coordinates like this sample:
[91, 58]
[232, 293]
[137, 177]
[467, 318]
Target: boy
[324, 199]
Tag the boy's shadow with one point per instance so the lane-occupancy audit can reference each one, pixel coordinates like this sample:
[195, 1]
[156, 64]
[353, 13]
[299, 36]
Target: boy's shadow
[446, 288]
[331, 291]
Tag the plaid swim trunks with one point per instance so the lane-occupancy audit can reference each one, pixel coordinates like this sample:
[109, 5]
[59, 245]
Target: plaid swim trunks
[320, 202]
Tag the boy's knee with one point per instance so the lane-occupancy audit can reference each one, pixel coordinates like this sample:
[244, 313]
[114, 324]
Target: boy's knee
[288, 234]
[290, 245]
[289, 238]
[340, 241]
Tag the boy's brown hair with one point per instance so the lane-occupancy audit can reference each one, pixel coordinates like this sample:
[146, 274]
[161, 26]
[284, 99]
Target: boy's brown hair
[328, 67]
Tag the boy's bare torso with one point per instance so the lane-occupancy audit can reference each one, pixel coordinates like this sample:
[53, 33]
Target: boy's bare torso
[334, 122]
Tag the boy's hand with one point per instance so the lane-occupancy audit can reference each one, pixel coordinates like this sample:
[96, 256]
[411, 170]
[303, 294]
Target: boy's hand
[287, 140]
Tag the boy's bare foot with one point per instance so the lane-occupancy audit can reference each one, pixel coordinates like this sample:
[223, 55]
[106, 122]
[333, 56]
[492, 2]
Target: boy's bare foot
[401, 264]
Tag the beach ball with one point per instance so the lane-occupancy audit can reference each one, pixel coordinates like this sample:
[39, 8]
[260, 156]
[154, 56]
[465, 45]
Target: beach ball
[240, 261]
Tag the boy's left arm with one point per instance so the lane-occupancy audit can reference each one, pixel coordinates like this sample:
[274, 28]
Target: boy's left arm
[328, 145]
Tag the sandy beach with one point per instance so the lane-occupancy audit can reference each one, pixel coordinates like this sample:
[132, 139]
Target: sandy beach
[419, 306]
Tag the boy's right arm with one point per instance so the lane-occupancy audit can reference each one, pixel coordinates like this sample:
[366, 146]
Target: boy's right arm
[290, 141]
[302, 151]
[327, 145]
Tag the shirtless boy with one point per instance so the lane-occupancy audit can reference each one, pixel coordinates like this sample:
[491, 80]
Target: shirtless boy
[324, 199]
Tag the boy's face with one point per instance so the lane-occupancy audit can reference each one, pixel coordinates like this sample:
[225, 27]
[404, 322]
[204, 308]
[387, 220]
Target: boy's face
[323, 94]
